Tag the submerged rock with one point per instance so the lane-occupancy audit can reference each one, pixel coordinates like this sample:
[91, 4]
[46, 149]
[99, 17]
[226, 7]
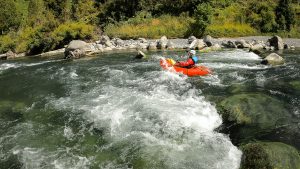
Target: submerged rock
[269, 155]
[140, 55]
[273, 59]
[249, 116]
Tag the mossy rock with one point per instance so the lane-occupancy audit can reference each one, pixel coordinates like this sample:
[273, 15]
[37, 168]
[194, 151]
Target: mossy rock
[252, 116]
[253, 109]
[269, 155]
[295, 85]
[11, 110]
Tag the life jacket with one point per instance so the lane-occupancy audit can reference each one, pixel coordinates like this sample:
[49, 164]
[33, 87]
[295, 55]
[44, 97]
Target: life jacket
[195, 59]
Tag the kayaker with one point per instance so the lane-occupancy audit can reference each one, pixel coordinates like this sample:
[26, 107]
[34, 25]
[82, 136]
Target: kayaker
[190, 62]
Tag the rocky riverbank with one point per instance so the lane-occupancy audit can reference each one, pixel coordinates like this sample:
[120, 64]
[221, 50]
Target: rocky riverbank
[78, 48]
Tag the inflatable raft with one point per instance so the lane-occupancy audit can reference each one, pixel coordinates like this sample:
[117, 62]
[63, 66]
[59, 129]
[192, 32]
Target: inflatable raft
[168, 64]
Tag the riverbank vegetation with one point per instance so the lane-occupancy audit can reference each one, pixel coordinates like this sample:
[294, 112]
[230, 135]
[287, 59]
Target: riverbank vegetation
[35, 26]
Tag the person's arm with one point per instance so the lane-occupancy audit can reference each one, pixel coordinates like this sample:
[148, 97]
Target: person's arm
[185, 63]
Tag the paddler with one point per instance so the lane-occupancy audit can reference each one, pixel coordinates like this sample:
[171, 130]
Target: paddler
[190, 62]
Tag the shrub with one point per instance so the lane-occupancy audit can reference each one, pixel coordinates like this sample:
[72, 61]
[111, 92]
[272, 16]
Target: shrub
[65, 33]
[7, 43]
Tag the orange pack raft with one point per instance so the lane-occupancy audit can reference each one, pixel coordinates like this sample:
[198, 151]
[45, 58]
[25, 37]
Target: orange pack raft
[168, 64]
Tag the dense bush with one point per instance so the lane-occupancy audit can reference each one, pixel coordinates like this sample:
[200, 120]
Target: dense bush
[63, 34]
[7, 43]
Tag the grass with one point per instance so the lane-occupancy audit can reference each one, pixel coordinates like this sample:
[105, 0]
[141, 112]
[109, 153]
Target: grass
[171, 26]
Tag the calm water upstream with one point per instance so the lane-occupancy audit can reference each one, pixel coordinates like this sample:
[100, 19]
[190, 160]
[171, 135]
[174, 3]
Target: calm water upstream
[112, 111]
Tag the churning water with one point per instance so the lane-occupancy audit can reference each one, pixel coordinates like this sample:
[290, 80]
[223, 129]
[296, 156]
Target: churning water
[112, 111]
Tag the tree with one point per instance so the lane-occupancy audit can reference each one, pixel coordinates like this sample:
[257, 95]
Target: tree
[262, 17]
[285, 16]
[203, 15]
[10, 18]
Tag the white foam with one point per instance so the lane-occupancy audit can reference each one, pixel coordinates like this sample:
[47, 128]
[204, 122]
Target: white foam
[170, 116]
[220, 65]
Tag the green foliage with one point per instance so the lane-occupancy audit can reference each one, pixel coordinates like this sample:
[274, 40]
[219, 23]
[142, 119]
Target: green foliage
[230, 30]
[7, 43]
[170, 26]
[233, 13]
[67, 32]
[262, 17]
[10, 18]
[203, 15]
[285, 15]
[85, 11]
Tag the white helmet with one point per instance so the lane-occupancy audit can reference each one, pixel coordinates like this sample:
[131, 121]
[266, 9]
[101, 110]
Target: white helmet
[193, 52]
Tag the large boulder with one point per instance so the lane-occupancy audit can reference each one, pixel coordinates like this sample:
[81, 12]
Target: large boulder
[208, 40]
[162, 43]
[248, 116]
[269, 155]
[76, 49]
[277, 42]
[273, 59]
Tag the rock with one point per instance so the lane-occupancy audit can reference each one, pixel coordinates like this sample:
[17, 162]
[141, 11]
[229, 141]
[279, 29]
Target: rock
[142, 46]
[76, 44]
[271, 155]
[229, 44]
[273, 59]
[208, 40]
[197, 44]
[76, 49]
[104, 39]
[242, 44]
[191, 39]
[162, 43]
[53, 53]
[152, 46]
[118, 42]
[286, 46]
[142, 40]
[216, 47]
[257, 49]
[140, 55]
[248, 116]
[277, 42]
[3, 57]
[170, 45]
[10, 55]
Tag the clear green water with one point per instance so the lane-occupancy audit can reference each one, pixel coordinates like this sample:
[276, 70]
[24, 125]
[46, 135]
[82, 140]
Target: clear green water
[112, 111]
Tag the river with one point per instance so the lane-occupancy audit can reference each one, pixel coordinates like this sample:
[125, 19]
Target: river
[113, 111]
